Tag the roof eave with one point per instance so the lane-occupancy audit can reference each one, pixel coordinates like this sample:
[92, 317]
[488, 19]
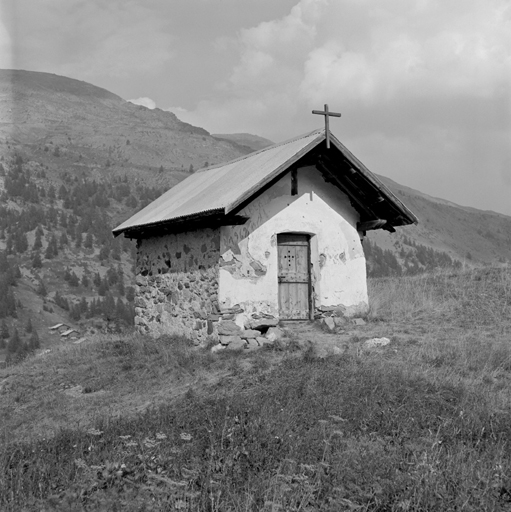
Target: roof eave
[167, 222]
[407, 216]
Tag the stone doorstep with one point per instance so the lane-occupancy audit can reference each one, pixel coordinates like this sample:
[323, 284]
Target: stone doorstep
[250, 334]
[236, 344]
[228, 328]
[227, 340]
[252, 344]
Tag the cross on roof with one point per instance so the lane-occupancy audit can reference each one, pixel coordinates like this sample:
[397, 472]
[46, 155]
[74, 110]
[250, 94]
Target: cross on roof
[327, 114]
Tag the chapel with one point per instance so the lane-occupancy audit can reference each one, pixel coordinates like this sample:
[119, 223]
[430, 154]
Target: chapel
[275, 235]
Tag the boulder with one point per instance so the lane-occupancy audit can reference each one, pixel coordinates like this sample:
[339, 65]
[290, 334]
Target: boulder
[217, 348]
[329, 322]
[274, 334]
[376, 342]
[236, 344]
[263, 341]
[249, 334]
[339, 321]
[359, 321]
[227, 340]
[252, 344]
[228, 328]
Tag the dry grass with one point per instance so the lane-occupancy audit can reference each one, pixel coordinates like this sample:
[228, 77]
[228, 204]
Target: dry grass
[423, 424]
[74, 386]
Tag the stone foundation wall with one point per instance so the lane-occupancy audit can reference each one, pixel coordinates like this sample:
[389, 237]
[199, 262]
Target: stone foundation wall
[177, 284]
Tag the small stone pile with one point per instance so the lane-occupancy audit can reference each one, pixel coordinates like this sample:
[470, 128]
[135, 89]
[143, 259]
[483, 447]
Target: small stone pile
[259, 331]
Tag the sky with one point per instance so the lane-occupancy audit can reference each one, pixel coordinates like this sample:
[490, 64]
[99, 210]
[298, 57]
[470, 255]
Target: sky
[424, 86]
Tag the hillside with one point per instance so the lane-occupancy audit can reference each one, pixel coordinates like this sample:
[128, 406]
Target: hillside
[463, 234]
[254, 142]
[419, 422]
[76, 160]
[91, 126]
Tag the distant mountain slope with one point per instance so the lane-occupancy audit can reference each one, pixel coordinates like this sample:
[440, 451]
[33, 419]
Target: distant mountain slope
[254, 142]
[41, 108]
[465, 233]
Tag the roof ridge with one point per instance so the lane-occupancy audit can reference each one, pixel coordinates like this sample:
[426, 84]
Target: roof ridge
[259, 151]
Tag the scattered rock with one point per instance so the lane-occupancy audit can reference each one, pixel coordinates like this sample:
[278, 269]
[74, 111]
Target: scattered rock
[228, 328]
[263, 323]
[236, 344]
[339, 321]
[340, 311]
[227, 340]
[252, 344]
[376, 342]
[250, 333]
[274, 334]
[329, 322]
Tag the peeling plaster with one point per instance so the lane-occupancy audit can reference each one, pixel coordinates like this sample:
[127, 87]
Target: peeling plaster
[242, 265]
[338, 274]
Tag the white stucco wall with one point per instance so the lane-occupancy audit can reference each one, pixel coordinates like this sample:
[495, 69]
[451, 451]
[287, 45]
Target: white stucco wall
[249, 258]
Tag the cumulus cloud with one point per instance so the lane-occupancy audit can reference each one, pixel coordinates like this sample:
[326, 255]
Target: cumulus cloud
[405, 74]
[145, 102]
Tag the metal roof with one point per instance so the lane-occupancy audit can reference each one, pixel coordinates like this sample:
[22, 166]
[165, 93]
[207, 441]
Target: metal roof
[224, 186]
[220, 189]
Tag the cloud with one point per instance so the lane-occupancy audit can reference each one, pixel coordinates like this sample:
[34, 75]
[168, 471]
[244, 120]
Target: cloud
[145, 102]
[5, 41]
[114, 39]
[407, 74]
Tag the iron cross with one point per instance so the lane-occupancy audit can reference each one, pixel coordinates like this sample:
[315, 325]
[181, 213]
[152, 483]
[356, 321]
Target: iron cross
[326, 113]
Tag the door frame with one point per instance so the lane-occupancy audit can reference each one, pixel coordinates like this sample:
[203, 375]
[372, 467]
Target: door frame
[307, 236]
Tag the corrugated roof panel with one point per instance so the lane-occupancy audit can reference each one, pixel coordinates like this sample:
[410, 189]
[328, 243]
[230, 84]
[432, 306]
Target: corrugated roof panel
[221, 186]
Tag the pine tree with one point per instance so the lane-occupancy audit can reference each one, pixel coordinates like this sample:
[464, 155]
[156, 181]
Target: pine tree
[73, 280]
[37, 241]
[103, 287]
[14, 344]
[89, 240]
[63, 240]
[41, 289]
[4, 330]
[4, 334]
[84, 306]
[51, 193]
[33, 342]
[36, 260]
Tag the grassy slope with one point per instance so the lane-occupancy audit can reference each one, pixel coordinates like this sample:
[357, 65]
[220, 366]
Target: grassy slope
[421, 424]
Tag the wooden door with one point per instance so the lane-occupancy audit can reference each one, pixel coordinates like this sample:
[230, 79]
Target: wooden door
[294, 277]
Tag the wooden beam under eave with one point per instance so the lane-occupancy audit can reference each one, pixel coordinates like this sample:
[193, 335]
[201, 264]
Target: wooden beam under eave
[362, 207]
[371, 224]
